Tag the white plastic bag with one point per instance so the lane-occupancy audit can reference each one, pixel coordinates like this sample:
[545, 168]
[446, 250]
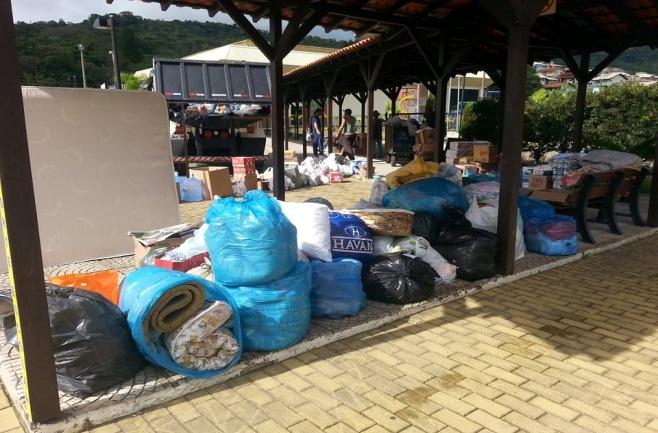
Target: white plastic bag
[422, 249]
[486, 218]
[418, 247]
[313, 228]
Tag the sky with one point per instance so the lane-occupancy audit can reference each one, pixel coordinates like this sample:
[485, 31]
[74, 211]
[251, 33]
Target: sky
[78, 10]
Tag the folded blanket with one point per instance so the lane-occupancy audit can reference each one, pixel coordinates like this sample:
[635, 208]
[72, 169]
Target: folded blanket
[202, 343]
[174, 308]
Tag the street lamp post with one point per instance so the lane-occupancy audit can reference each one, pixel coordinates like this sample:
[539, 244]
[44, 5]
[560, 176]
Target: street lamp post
[109, 23]
[82, 64]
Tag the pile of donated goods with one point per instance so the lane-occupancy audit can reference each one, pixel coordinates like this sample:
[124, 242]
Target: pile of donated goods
[273, 266]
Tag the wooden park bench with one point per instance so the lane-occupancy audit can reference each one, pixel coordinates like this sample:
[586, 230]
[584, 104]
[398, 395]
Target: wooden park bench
[601, 190]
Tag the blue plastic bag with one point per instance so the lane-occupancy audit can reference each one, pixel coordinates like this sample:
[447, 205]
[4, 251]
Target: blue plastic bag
[140, 291]
[535, 209]
[555, 236]
[541, 244]
[250, 241]
[275, 315]
[351, 238]
[336, 288]
[431, 195]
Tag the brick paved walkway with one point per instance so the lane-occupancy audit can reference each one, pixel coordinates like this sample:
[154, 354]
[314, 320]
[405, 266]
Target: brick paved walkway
[571, 350]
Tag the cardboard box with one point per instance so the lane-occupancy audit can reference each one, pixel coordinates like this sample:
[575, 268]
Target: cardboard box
[170, 237]
[216, 181]
[539, 182]
[183, 266]
[485, 153]
[563, 197]
[243, 170]
[250, 180]
[243, 161]
[426, 135]
[335, 176]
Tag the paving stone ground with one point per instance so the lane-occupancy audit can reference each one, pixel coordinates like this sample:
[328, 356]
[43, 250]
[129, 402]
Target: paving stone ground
[574, 349]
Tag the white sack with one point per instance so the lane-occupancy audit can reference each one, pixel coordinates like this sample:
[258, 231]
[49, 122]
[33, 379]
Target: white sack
[486, 218]
[313, 228]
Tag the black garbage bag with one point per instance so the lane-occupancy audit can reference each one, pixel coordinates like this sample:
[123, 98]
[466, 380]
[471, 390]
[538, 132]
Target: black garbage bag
[426, 226]
[320, 200]
[472, 250]
[91, 341]
[398, 279]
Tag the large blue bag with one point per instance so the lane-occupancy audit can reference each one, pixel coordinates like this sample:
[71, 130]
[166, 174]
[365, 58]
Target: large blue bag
[141, 290]
[250, 241]
[535, 209]
[540, 243]
[351, 238]
[431, 195]
[336, 288]
[555, 236]
[275, 315]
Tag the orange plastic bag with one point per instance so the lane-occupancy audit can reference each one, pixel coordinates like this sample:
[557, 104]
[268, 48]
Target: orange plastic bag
[105, 283]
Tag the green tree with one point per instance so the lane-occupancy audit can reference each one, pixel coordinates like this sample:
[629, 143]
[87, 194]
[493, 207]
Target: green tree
[532, 82]
[481, 120]
[623, 117]
[429, 110]
[548, 122]
[130, 82]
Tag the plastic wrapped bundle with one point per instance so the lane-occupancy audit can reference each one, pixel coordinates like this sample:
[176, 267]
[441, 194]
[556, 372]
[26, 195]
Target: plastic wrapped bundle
[250, 241]
[472, 250]
[552, 237]
[275, 315]
[91, 341]
[159, 301]
[483, 191]
[336, 288]
[398, 279]
[433, 195]
[350, 237]
[535, 209]
[418, 247]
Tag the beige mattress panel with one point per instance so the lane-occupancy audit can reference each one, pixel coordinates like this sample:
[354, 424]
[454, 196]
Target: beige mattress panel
[101, 165]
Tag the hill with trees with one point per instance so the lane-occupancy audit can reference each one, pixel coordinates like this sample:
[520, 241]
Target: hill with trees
[49, 53]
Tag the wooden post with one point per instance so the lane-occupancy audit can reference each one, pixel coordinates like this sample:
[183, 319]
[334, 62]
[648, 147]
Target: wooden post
[363, 114]
[512, 136]
[305, 123]
[370, 147]
[330, 124]
[652, 220]
[22, 243]
[286, 128]
[276, 77]
[296, 120]
[440, 118]
[581, 99]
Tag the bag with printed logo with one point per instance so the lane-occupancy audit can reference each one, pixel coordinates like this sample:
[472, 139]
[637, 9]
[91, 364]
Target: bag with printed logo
[350, 237]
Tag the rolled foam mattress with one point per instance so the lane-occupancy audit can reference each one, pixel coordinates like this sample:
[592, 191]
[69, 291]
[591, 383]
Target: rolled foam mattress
[157, 301]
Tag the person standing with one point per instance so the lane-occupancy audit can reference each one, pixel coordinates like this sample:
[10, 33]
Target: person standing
[316, 133]
[347, 131]
[378, 124]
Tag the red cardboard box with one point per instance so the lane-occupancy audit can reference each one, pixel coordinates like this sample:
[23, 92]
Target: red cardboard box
[243, 170]
[243, 161]
[335, 176]
[184, 266]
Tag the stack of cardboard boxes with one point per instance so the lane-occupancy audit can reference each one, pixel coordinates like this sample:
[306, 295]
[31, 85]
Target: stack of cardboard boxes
[472, 156]
[244, 170]
[216, 181]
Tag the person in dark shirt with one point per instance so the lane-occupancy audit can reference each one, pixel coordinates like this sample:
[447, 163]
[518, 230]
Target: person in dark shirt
[316, 133]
